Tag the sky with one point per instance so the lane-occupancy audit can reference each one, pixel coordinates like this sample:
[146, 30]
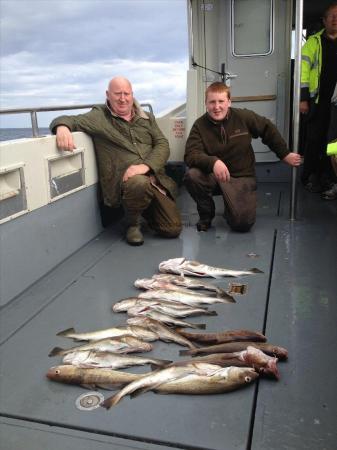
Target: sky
[64, 52]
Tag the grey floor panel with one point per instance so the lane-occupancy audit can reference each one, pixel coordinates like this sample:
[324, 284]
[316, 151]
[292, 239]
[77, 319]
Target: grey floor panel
[196, 422]
[300, 412]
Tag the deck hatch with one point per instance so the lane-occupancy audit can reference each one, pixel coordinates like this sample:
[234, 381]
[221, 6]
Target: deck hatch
[66, 174]
[12, 192]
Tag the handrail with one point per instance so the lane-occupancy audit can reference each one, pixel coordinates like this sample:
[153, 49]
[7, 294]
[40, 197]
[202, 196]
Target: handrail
[33, 111]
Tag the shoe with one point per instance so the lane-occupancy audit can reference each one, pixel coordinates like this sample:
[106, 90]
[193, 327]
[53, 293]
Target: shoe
[204, 225]
[313, 187]
[330, 194]
[134, 235]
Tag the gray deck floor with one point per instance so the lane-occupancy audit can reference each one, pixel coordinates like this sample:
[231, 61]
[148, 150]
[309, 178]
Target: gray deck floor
[294, 302]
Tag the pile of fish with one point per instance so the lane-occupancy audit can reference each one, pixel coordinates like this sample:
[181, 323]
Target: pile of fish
[229, 359]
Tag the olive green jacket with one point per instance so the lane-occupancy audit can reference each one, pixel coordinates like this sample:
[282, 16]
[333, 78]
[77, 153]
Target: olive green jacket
[119, 144]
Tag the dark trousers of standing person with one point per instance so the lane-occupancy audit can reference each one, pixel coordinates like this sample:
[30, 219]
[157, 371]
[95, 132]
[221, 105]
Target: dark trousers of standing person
[141, 198]
[317, 173]
[239, 196]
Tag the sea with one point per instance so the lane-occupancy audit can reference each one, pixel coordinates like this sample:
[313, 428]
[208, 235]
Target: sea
[9, 134]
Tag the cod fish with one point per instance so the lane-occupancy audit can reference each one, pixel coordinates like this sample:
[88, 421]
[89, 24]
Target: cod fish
[191, 283]
[229, 347]
[108, 360]
[165, 318]
[136, 331]
[224, 336]
[189, 298]
[122, 344]
[152, 283]
[91, 378]
[182, 266]
[165, 333]
[159, 379]
[251, 357]
[178, 309]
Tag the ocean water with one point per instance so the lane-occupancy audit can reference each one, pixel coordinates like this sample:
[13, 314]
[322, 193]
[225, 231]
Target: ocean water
[9, 134]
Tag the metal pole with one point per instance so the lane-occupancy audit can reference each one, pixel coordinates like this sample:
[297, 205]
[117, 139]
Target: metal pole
[35, 127]
[296, 103]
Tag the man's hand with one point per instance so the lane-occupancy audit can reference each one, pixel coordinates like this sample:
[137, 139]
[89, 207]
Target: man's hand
[135, 169]
[64, 139]
[304, 107]
[221, 171]
[293, 159]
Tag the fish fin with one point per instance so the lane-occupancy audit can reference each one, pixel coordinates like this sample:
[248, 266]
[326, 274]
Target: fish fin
[66, 332]
[56, 351]
[91, 387]
[200, 326]
[210, 313]
[255, 270]
[186, 352]
[110, 401]
[227, 298]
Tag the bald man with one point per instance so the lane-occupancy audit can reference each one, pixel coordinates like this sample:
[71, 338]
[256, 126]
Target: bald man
[131, 154]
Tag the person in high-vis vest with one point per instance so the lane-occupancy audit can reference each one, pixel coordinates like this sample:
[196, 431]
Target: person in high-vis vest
[331, 194]
[318, 80]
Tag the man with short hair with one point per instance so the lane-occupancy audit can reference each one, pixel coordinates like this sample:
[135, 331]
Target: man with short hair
[221, 159]
[131, 154]
[318, 80]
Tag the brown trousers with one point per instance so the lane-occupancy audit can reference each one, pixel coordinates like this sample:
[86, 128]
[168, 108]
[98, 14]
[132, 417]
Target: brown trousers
[239, 195]
[141, 198]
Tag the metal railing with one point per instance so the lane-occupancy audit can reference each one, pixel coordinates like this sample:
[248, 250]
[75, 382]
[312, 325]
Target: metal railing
[33, 112]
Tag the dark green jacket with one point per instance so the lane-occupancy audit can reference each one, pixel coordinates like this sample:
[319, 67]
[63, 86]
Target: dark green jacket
[230, 141]
[119, 144]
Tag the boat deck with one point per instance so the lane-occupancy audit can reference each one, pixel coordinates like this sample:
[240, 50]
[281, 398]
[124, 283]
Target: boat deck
[294, 302]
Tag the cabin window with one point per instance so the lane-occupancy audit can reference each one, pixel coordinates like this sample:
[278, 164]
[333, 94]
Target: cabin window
[12, 193]
[252, 27]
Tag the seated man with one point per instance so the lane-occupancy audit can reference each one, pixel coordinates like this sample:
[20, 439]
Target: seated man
[221, 159]
[131, 153]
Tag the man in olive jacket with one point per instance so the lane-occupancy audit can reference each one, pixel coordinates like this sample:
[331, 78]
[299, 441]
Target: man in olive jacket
[131, 153]
[221, 159]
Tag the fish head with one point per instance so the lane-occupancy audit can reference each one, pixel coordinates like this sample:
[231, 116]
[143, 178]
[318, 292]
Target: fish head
[242, 375]
[171, 265]
[63, 374]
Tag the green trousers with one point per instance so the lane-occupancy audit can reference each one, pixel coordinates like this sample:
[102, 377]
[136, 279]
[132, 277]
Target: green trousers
[141, 198]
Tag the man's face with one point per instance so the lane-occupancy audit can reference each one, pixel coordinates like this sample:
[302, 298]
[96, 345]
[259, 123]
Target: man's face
[120, 97]
[330, 21]
[217, 104]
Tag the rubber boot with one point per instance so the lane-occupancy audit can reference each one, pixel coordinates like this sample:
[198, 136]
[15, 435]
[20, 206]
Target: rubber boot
[134, 234]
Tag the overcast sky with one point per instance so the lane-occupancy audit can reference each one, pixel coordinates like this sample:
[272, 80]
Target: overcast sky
[63, 52]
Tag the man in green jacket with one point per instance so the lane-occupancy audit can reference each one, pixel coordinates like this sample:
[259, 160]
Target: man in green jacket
[221, 159]
[131, 154]
[318, 80]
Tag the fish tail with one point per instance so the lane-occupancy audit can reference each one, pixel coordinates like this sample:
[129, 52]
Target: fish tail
[255, 270]
[210, 313]
[200, 326]
[187, 352]
[110, 401]
[56, 351]
[66, 332]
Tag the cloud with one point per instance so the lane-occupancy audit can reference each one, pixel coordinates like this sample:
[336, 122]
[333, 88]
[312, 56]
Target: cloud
[65, 52]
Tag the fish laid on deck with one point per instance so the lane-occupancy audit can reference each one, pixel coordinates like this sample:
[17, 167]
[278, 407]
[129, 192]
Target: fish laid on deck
[172, 308]
[91, 378]
[108, 360]
[269, 349]
[136, 331]
[251, 357]
[182, 266]
[189, 298]
[165, 318]
[214, 379]
[122, 344]
[223, 336]
[165, 333]
[191, 283]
